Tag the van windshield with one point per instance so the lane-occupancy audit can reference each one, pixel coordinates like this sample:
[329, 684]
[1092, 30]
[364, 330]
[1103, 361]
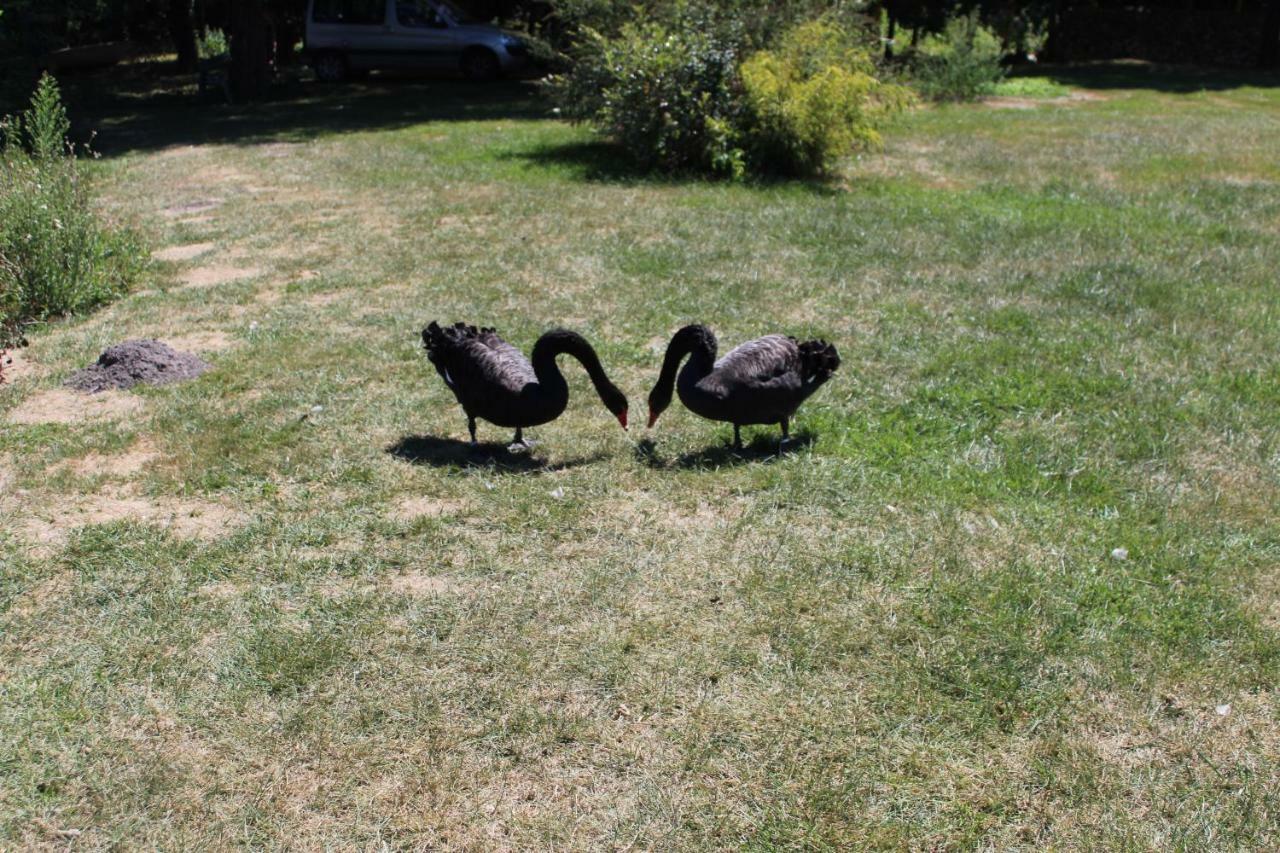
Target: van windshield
[459, 15]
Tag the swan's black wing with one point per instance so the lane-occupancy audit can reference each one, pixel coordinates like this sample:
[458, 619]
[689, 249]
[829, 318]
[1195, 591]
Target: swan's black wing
[766, 365]
[476, 363]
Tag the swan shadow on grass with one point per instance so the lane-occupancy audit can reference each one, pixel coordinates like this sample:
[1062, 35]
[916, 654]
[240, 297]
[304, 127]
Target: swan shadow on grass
[762, 448]
[452, 453]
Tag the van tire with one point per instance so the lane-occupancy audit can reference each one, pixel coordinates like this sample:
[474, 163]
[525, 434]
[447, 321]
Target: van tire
[330, 67]
[480, 65]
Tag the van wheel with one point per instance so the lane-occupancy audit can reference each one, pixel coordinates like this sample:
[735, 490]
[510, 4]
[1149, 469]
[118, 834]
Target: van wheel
[479, 64]
[330, 67]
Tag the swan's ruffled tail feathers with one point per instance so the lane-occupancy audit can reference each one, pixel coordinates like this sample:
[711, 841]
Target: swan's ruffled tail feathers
[818, 360]
[438, 339]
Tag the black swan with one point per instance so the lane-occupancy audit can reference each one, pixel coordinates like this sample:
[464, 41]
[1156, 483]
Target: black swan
[494, 381]
[760, 382]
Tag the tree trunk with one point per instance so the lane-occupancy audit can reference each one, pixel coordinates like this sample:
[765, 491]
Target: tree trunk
[251, 44]
[184, 35]
[288, 32]
[1269, 53]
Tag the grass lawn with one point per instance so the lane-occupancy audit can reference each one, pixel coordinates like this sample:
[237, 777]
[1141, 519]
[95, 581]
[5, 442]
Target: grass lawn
[1017, 589]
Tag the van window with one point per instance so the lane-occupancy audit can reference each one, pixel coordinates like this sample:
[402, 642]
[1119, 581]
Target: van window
[350, 11]
[418, 13]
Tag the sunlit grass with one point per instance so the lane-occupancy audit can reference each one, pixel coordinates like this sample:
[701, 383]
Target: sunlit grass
[1000, 596]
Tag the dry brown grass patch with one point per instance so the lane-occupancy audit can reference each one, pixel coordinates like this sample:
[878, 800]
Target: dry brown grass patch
[211, 276]
[48, 525]
[64, 406]
[202, 342]
[422, 584]
[130, 462]
[411, 508]
[17, 365]
[182, 253]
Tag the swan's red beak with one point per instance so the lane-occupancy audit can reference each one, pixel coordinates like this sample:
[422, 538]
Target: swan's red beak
[622, 418]
[653, 418]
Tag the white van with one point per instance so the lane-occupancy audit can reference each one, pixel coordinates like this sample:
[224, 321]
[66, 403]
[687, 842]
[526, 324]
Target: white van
[351, 36]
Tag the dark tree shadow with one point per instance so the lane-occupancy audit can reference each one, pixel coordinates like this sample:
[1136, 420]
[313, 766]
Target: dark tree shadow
[600, 161]
[146, 106]
[439, 452]
[763, 449]
[1147, 75]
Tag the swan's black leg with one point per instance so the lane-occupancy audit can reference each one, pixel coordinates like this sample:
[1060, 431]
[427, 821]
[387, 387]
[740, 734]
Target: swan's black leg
[519, 443]
[786, 433]
[737, 437]
[471, 427]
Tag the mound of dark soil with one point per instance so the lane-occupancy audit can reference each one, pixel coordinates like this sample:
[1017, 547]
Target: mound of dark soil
[137, 362]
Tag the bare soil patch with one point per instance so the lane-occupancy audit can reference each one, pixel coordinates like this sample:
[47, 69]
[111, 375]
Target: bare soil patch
[216, 274]
[182, 253]
[131, 461]
[64, 406]
[426, 507]
[138, 362]
[191, 208]
[320, 300]
[49, 526]
[417, 583]
[208, 341]
[15, 365]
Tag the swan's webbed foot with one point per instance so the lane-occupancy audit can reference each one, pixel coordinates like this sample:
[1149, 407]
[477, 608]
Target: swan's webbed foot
[520, 444]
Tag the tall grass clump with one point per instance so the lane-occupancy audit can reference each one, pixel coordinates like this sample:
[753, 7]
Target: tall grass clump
[692, 96]
[57, 256]
[962, 63]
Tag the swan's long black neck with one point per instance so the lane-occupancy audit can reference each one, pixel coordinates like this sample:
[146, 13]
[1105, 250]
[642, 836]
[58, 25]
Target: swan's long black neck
[563, 342]
[697, 342]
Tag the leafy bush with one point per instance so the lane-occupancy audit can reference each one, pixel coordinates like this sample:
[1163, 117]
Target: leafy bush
[212, 43]
[960, 64]
[668, 96]
[56, 256]
[812, 100]
[680, 98]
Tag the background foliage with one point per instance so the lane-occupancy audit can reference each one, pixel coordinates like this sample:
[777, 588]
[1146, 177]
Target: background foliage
[56, 254]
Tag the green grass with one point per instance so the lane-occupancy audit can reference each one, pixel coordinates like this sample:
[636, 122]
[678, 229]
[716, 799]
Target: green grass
[1032, 87]
[1059, 338]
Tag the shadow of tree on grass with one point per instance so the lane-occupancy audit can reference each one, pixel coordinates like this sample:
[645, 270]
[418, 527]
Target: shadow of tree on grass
[145, 106]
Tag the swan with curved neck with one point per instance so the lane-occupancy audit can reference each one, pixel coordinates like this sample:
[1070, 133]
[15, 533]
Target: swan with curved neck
[762, 381]
[492, 380]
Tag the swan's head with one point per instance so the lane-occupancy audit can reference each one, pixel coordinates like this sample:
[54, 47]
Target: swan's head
[659, 399]
[615, 401]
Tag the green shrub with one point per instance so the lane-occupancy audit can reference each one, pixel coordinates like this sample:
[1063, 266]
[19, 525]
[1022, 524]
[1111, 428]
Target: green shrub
[56, 256]
[812, 100]
[668, 96]
[679, 98]
[960, 64]
[212, 43]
